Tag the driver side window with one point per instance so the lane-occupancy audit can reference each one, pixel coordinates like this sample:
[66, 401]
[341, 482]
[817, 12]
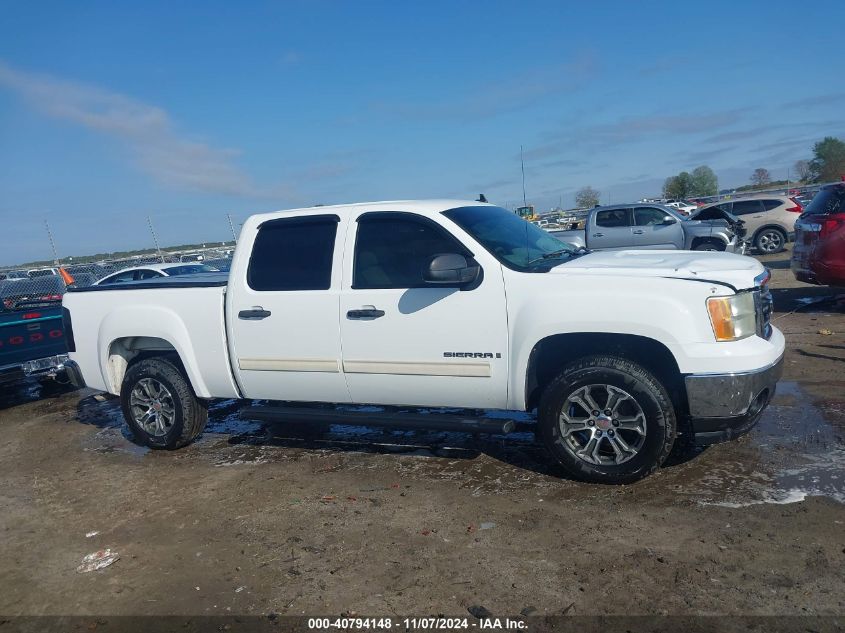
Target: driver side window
[648, 216]
[392, 249]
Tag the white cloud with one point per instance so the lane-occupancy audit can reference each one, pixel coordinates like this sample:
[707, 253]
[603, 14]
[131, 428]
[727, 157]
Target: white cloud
[147, 131]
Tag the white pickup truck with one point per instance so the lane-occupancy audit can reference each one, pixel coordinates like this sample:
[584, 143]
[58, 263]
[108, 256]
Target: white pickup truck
[443, 303]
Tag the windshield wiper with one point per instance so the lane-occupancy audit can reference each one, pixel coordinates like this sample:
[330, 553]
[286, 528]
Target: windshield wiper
[552, 255]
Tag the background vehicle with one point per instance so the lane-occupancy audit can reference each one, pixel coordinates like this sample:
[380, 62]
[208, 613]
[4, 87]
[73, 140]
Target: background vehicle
[769, 220]
[223, 264]
[31, 331]
[381, 303]
[654, 226]
[151, 271]
[12, 275]
[682, 207]
[818, 256]
[42, 272]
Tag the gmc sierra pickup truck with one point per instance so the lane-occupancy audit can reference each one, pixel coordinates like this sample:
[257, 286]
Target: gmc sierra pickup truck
[443, 304]
[654, 226]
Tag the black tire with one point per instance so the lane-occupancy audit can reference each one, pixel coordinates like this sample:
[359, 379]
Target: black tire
[640, 388]
[770, 240]
[709, 245]
[189, 412]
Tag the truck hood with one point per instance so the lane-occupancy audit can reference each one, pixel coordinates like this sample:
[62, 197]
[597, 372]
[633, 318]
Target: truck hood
[736, 270]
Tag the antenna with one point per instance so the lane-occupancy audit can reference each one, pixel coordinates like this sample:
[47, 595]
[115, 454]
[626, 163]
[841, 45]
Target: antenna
[52, 243]
[155, 239]
[232, 226]
[522, 162]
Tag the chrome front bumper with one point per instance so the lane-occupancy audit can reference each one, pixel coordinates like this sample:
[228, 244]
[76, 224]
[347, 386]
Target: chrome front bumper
[725, 406]
[732, 395]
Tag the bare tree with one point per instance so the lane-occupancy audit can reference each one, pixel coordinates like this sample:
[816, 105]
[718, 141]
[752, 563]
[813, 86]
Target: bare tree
[587, 198]
[802, 168]
[760, 177]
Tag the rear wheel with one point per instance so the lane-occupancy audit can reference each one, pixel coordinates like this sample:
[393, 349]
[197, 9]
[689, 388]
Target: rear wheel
[606, 419]
[770, 241]
[160, 406]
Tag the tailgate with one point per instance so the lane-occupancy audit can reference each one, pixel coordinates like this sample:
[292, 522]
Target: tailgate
[806, 237]
[30, 335]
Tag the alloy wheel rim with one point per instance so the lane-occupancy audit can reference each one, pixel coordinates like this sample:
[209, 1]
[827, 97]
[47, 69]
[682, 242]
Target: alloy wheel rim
[152, 407]
[602, 425]
[770, 241]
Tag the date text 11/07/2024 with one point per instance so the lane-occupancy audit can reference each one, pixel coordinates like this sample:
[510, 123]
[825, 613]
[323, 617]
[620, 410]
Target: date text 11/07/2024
[424, 623]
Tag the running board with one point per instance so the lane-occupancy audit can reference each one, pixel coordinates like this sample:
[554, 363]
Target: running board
[404, 421]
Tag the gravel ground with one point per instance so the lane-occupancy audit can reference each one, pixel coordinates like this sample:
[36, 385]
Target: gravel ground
[260, 519]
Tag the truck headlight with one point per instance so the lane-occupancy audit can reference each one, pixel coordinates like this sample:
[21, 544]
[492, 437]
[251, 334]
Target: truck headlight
[733, 317]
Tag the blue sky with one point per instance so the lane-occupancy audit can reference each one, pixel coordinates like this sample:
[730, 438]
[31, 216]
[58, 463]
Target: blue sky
[186, 111]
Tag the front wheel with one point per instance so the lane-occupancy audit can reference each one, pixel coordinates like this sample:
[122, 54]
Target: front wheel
[606, 419]
[709, 245]
[160, 406]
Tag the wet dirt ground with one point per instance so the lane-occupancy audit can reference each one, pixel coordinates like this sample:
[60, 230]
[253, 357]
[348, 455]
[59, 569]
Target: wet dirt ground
[259, 518]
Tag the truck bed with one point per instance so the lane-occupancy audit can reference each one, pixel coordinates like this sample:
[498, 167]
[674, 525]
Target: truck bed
[183, 314]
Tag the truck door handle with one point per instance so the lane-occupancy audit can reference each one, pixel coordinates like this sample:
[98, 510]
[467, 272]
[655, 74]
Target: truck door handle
[255, 314]
[598, 234]
[639, 232]
[367, 312]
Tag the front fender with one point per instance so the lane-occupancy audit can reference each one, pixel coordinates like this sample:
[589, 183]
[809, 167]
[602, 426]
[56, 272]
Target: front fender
[669, 311]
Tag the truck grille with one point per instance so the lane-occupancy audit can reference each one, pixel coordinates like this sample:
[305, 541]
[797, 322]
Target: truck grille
[763, 305]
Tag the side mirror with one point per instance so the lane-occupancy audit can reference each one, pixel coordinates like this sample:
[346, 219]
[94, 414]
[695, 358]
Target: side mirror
[667, 220]
[450, 269]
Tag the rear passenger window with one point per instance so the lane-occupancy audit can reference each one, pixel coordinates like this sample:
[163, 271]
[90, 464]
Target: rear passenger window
[771, 204]
[293, 254]
[744, 207]
[827, 201]
[613, 218]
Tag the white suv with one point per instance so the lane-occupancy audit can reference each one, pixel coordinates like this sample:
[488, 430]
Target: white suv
[769, 220]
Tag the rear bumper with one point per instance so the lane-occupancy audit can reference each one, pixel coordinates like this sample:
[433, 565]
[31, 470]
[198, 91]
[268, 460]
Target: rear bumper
[39, 367]
[725, 406]
[74, 374]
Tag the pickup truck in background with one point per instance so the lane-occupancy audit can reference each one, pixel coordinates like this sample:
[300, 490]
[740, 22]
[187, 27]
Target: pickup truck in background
[32, 342]
[654, 226]
[442, 304]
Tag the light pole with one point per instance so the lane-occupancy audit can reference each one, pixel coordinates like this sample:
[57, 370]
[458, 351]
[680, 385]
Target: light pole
[232, 227]
[522, 163]
[52, 243]
[155, 238]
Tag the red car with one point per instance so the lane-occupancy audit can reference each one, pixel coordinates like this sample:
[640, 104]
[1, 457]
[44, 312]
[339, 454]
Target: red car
[819, 253]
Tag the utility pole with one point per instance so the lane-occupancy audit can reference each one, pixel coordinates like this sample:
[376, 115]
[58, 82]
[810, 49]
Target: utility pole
[155, 238]
[522, 162]
[52, 243]
[232, 227]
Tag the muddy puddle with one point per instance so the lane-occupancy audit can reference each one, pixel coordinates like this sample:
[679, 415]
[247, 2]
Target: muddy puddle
[797, 450]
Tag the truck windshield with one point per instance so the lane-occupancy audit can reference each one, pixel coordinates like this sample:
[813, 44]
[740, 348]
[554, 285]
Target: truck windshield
[516, 243]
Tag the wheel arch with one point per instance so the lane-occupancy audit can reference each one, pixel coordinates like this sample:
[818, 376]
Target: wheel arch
[550, 354]
[698, 241]
[126, 336]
